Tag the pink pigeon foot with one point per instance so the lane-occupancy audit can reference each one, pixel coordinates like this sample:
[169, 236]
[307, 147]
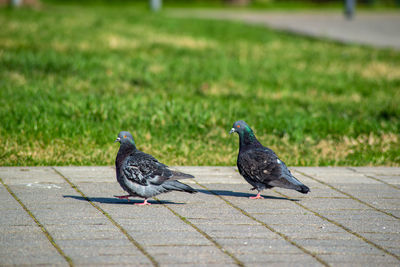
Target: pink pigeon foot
[257, 197]
[123, 197]
[144, 203]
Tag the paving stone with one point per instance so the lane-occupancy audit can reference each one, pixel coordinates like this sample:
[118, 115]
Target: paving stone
[257, 245]
[338, 204]
[216, 175]
[393, 180]
[390, 245]
[174, 238]
[305, 228]
[21, 239]
[219, 220]
[28, 258]
[380, 191]
[393, 212]
[111, 260]
[228, 234]
[326, 235]
[252, 241]
[249, 231]
[378, 170]
[15, 217]
[321, 191]
[287, 259]
[64, 218]
[32, 175]
[41, 195]
[395, 237]
[87, 174]
[151, 226]
[77, 231]
[95, 243]
[362, 259]
[371, 216]
[365, 226]
[31, 237]
[196, 264]
[378, 196]
[336, 175]
[308, 218]
[206, 254]
[93, 250]
[353, 245]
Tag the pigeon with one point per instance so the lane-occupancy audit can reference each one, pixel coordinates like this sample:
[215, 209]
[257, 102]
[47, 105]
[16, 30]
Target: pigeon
[141, 175]
[260, 166]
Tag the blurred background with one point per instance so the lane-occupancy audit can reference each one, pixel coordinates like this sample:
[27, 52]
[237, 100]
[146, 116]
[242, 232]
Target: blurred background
[303, 4]
[316, 87]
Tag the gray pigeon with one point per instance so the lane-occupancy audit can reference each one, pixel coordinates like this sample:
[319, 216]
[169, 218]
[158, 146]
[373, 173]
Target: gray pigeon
[141, 175]
[260, 166]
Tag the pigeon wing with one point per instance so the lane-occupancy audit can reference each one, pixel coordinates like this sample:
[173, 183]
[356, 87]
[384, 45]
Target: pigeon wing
[144, 169]
[259, 165]
[264, 166]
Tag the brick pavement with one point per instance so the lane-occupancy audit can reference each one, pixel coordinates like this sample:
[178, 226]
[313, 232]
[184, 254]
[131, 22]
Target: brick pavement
[68, 216]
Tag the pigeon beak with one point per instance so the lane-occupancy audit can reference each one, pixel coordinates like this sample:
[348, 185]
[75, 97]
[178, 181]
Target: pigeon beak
[117, 140]
[232, 130]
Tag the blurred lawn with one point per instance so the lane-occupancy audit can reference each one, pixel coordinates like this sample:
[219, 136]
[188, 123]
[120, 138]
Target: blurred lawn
[72, 77]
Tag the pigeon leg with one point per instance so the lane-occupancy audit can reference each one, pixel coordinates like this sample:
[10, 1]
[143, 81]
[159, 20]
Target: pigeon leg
[257, 197]
[123, 197]
[144, 203]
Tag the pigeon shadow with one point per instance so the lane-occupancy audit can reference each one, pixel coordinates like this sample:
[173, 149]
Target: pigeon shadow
[240, 194]
[109, 200]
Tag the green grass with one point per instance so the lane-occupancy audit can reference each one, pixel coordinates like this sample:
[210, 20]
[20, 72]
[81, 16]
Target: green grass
[72, 77]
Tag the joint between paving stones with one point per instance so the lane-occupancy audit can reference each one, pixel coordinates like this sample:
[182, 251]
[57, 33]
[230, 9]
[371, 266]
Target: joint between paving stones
[108, 216]
[374, 178]
[39, 224]
[342, 226]
[350, 196]
[285, 237]
[209, 238]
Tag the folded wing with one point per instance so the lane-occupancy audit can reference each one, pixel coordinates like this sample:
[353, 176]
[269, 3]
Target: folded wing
[144, 169]
[261, 165]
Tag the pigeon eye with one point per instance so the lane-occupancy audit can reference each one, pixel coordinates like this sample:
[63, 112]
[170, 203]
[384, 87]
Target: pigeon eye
[238, 126]
[124, 136]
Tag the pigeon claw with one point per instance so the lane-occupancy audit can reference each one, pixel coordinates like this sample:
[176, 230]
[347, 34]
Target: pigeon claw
[257, 197]
[144, 203]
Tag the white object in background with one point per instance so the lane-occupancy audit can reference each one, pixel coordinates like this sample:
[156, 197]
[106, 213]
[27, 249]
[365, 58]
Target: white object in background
[155, 5]
[16, 3]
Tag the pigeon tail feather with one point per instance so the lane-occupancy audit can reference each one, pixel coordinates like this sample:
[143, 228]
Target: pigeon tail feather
[180, 175]
[178, 186]
[303, 189]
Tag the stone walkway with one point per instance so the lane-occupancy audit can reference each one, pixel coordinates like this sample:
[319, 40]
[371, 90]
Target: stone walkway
[381, 29]
[68, 216]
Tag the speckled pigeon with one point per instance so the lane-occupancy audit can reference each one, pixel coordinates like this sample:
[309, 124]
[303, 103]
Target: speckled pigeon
[141, 175]
[260, 166]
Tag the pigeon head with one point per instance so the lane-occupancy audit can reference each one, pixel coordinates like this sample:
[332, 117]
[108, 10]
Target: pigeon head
[240, 127]
[246, 135]
[125, 137]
